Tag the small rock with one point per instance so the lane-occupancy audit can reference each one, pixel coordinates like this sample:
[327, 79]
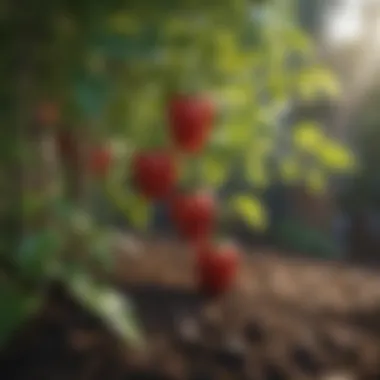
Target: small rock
[232, 355]
[146, 375]
[274, 372]
[306, 360]
[254, 332]
[211, 323]
[127, 245]
[200, 375]
[212, 315]
[189, 329]
[82, 340]
[337, 376]
[340, 343]
[189, 337]
[174, 366]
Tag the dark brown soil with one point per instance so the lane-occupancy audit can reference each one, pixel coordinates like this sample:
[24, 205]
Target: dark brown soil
[286, 319]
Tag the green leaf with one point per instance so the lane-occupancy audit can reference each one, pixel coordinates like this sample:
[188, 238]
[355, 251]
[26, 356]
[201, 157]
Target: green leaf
[298, 41]
[32, 204]
[308, 136]
[251, 209]
[118, 313]
[238, 134]
[256, 171]
[111, 306]
[139, 211]
[123, 23]
[16, 307]
[81, 222]
[315, 80]
[38, 254]
[101, 251]
[336, 157]
[136, 209]
[296, 235]
[62, 209]
[213, 172]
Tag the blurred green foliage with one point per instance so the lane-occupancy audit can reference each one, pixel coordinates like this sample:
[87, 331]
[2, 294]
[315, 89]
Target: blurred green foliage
[112, 65]
[296, 236]
[363, 192]
[17, 306]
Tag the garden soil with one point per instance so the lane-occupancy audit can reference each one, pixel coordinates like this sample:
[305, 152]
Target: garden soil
[285, 319]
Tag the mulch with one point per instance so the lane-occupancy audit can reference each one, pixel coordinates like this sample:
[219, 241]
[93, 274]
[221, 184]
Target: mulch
[286, 319]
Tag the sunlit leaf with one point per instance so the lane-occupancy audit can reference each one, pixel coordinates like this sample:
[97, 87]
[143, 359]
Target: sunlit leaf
[315, 80]
[336, 157]
[307, 136]
[112, 307]
[251, 210]
[230, 63]
[233, 95]
[236, 134]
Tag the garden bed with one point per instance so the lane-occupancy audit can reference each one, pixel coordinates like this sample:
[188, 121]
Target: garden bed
[287, 319]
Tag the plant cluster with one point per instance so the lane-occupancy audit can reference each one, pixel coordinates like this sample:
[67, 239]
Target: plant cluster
[98, 86]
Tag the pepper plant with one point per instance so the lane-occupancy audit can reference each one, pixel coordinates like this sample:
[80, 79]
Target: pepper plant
[81, 77]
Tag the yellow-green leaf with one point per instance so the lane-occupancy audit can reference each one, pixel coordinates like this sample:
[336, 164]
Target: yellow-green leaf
[225, 40]
[233, 95]
[251, 210]
[139, 211]
[316, 80]
[307, 136]
[136, 209]
[213, 172]
[336, 157]
[123, 23]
